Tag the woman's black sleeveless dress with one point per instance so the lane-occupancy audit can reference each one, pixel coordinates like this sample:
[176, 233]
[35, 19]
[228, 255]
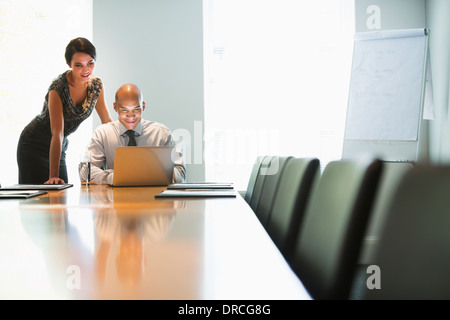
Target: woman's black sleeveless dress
[34, 142]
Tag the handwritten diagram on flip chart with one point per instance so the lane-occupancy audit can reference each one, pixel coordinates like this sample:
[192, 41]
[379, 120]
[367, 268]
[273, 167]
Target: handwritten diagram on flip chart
[386, 91]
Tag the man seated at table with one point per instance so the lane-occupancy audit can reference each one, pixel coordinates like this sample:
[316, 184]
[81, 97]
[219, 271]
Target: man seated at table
[129, 105]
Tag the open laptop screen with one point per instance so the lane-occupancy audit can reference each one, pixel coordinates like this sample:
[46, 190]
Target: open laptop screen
[143, 166]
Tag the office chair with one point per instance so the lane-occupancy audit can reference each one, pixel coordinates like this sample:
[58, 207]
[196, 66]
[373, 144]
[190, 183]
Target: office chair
[412, 255]
[269, 188]
[330, 236]
[390, 178]
[290, 202]
[263, 170]
[252, 179]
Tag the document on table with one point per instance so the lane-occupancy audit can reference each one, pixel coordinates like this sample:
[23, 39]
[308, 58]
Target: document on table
[197, 193]
[201, 185]
[37, 187]
[10, 194]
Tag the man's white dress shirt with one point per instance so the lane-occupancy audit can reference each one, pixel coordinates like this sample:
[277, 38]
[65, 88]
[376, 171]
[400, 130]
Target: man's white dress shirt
[110, 135]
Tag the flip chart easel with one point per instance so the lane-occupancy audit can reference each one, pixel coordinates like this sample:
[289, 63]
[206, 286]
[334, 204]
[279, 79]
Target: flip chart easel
[386, 96]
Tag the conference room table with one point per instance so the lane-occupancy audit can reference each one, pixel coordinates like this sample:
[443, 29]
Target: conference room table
[102, 242]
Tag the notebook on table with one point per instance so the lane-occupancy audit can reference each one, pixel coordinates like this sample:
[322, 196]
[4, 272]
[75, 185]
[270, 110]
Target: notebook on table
[20, 194]
[200, 185]
[37, 187]
[197, 193]
[143, 166]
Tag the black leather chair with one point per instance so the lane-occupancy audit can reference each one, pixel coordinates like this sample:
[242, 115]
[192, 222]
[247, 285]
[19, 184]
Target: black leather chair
[330, 236]
[269, 188]
[256, 195]
[391, 176]
[252, 179]
[290, 202]
[412, 257]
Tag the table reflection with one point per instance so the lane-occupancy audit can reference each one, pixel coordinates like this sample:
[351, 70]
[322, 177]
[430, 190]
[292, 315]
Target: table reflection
[108, 238]
[123, 236]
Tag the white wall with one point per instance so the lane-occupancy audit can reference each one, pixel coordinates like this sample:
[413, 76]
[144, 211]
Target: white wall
[437, 16]
[158, 45]
[395, 14]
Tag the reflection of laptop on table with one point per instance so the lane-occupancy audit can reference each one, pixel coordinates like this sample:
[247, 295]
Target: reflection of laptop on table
[143, 166]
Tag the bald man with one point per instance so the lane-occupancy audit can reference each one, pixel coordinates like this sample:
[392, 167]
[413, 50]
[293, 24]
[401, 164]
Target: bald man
[129, 105]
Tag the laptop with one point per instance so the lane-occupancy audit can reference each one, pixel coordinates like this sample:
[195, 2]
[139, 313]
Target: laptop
[143, 166]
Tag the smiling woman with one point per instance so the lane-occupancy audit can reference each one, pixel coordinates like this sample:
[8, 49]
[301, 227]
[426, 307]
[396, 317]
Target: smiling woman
[41, 151]
[34, 35]
[82, 68]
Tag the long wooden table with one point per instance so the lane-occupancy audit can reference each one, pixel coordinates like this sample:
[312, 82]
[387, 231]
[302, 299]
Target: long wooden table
[101, 242]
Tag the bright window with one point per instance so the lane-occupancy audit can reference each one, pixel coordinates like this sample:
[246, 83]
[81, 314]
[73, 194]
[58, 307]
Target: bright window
[276, 82]
[33, 38]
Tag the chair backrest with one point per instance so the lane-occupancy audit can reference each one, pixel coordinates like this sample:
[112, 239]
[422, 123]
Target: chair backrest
[252, 179]
[389, 180]
[290, 202]
[329, 241]
[412, 254]
[269, 188]
[262, 173]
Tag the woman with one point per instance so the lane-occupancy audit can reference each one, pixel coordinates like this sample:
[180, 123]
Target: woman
[71, 97]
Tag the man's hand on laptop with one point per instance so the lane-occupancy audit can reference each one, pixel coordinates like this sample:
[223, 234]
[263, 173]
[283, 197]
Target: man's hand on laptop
[54, 180]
